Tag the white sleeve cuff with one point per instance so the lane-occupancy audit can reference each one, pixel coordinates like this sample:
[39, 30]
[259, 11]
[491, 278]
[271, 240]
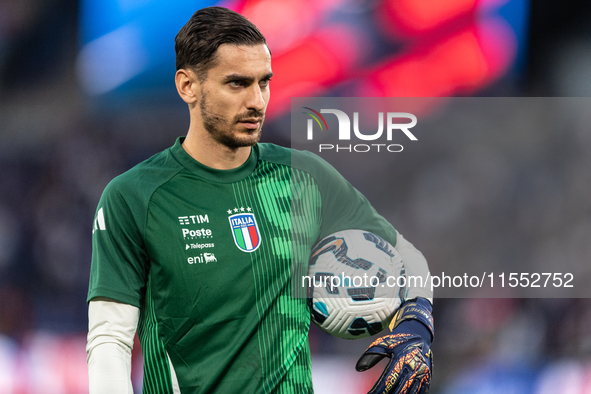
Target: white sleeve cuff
[111, 330]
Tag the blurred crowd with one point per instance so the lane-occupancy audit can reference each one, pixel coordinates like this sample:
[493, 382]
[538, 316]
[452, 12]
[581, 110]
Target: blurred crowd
[479, 198]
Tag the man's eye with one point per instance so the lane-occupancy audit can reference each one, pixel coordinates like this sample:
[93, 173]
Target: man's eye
[235, 84]
[265, 82]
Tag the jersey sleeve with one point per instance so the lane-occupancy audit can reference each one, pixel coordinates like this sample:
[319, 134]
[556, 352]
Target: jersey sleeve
[119, 258]
[344, 207]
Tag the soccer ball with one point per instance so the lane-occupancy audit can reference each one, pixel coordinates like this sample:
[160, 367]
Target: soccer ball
[356, 283]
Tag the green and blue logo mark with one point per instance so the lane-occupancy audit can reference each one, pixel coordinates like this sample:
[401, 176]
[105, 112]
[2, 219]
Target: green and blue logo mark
[315, 115]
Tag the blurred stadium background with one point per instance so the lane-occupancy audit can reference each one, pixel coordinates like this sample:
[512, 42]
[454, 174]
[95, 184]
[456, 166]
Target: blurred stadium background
[87, 91]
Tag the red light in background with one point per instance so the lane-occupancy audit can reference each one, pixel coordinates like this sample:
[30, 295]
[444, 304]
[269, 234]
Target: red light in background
[461, 63]
[284, 22]
[318, 62]
[498, 43]
[411, 17]
[451, 49]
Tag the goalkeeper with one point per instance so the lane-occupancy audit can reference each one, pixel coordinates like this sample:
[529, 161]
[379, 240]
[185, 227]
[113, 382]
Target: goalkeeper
[193, 248]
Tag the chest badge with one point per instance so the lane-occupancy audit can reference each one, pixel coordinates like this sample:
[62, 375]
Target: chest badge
[245, 230]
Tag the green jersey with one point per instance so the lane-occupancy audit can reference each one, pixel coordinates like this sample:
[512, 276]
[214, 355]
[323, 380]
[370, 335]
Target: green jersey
[209, 255]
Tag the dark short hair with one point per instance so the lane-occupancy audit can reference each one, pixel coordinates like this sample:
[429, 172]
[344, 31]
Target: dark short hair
[197, 42]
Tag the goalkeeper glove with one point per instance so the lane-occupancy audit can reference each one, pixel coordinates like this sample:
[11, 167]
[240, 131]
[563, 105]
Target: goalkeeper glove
[411, 362]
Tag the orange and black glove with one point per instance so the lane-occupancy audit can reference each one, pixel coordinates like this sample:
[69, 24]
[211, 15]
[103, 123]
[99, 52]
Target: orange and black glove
[408, 347]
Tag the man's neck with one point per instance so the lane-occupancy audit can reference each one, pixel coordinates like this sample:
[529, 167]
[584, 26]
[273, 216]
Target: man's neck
[213, 154]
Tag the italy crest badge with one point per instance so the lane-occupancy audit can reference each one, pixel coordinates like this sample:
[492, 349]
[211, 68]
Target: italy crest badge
[245, 231]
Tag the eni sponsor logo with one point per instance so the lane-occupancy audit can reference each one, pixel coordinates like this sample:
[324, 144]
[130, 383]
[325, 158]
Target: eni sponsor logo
[203, 258]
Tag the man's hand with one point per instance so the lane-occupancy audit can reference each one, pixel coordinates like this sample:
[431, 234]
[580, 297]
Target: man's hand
[411, 362]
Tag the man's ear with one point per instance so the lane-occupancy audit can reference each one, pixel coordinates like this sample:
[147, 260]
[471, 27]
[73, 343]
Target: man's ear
[187, 85]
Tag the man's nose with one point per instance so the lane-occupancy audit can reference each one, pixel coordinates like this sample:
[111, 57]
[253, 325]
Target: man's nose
[256, 98]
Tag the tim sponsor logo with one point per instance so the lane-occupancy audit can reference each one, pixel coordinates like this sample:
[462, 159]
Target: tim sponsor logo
[195, 233]
[193, 219]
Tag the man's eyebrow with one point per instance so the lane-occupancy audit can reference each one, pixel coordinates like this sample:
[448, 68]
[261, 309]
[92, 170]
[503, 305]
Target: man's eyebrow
[244, 78]
[238, 77]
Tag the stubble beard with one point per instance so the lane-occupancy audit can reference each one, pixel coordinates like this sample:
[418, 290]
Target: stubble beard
[220, 129]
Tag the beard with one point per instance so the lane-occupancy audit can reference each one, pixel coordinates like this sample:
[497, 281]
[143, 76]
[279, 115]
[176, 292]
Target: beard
[220, 128]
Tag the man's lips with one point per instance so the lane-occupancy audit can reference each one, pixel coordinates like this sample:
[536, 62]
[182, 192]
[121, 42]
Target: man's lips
[253, 123]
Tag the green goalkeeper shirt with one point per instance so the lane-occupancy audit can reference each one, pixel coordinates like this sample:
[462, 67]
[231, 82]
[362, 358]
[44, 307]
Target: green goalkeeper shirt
[209, 255]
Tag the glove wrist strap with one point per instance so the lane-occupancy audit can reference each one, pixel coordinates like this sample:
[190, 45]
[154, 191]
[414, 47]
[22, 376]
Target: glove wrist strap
[418, 309]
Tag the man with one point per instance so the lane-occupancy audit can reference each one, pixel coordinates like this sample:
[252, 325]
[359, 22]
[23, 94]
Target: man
[196, 246]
